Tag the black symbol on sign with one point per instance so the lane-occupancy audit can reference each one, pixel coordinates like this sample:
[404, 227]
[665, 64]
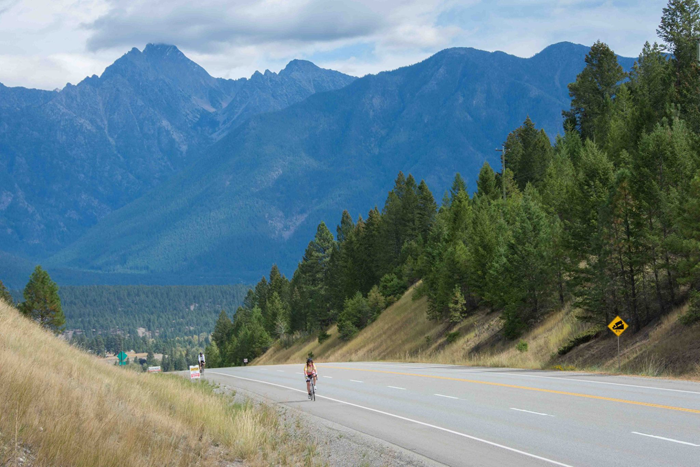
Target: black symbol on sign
[618, 325]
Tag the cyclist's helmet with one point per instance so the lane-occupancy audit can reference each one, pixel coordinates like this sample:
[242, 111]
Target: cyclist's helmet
[309, 360]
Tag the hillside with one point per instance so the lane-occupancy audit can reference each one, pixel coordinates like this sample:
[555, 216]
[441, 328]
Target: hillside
[70, 157]
[63, 407]
[262, 190]
[168, 311]
[403, 333]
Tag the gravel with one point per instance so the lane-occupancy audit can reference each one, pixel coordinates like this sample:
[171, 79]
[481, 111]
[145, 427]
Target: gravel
[337, 445]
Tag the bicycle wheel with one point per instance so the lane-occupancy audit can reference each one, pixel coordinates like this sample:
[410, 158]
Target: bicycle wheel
[313, 392]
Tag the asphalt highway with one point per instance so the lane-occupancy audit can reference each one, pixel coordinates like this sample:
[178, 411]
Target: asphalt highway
[466, 416]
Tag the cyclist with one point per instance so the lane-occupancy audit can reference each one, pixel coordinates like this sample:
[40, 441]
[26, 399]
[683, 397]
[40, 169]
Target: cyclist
[310, 374]
[201, 361]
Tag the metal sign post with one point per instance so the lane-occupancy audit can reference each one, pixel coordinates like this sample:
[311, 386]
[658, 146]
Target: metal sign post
[618, 326]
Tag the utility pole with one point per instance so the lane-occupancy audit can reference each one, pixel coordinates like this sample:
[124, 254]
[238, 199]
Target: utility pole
[502, 150]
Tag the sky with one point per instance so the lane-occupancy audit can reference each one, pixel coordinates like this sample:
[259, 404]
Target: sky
[48, 43]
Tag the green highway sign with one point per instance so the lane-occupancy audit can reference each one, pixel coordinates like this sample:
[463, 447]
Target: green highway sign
[123, 358]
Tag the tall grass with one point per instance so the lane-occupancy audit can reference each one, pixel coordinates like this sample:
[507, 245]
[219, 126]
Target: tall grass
[403, 333]
[69, 409]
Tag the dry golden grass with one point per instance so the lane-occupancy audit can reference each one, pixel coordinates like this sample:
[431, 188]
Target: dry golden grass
[67, 408]
[403, 333]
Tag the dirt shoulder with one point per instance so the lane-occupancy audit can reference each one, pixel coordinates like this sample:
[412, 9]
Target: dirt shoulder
[335, 445]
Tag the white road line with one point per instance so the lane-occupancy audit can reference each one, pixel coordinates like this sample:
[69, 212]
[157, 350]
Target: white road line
[593, 382]
[667, 439]
[449, 397]
[355, 381]
[530, 411]
[329, 377]
[396, 387]
[446, 430]
[280, 371]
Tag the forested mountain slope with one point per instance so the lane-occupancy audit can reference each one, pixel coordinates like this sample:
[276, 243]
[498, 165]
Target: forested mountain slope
[260, 192]
[68, 158]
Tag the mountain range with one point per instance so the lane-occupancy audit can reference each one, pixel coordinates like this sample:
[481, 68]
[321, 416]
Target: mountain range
[158, 170]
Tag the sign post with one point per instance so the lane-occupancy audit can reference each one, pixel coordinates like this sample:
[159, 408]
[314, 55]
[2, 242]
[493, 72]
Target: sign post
[618, 326]
[123, 358]
[194, 373]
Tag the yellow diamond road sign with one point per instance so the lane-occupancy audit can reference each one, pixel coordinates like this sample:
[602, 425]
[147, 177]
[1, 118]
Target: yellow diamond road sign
[618, 326]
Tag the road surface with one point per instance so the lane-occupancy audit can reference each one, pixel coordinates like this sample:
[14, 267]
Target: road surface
[466, 416]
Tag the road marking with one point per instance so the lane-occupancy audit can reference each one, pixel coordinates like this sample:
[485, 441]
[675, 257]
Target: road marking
[530, 411]
[446, 430]
[666, 439]
[594, 382]
[525, 388]
[329, 377]
[449, 397]
[355, 381]
[396, 387]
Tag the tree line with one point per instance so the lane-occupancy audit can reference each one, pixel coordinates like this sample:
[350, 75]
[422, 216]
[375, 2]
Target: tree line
[606, 218]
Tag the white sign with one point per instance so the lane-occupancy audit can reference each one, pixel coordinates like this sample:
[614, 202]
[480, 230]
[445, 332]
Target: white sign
[194, 372]
[154, 369]
[245, 361]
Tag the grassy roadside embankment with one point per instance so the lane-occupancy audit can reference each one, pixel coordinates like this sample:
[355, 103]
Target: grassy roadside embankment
[60, 406]
[403, 333]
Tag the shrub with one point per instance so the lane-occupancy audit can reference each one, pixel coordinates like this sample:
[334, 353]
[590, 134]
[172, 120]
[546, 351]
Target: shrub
[323, 336]
[522, 346]
[346, 329]
[376, 302]
[692, 316]
[452, 337]
[391, 287]
[577, 340]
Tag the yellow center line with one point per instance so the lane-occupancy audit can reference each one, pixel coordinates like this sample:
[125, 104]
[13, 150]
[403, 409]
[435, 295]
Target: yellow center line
[526, 388]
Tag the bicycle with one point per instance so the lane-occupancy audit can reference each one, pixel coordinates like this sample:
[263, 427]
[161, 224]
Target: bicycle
[201, 368]
[312, 387]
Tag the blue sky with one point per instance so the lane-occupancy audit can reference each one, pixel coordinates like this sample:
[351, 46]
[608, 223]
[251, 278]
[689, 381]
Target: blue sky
[47, 43]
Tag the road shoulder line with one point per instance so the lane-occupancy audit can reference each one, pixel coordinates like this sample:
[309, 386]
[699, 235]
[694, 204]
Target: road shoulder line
[429, 425]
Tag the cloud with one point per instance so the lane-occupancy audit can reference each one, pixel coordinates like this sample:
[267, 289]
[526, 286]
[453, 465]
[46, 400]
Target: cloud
[46, 43]
[210, 25]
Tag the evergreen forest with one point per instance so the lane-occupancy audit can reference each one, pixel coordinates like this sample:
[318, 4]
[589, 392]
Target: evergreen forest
[605, 217]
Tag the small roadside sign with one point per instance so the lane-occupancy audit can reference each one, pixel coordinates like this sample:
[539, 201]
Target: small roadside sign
[194, 372]
[154, 369]
[123, 358]
[245, 361]
[618, 326]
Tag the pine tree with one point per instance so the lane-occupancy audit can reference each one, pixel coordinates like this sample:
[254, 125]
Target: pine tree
[593, 92]
[222, 330]
[313, 271]
[426, 210]
[42, 303]
[275, 312]
[529, 267]
[345, 228]
[528, 153]
[458, 186]
[680, 30]
[457, 305]
[486, 183]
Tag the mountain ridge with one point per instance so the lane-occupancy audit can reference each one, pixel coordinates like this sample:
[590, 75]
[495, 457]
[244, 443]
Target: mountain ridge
[262, 189]
[70, 157]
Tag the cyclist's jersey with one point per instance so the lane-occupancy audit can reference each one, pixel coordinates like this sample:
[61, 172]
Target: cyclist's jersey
[310, 369]
[201, 358]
